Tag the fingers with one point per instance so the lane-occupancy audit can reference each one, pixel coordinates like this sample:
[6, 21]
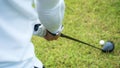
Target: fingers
[50, 37]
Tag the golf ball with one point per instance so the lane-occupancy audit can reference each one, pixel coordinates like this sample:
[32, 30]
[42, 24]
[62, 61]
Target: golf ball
[102, 42]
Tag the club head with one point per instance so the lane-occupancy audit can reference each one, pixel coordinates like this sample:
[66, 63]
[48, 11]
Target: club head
[108, 47]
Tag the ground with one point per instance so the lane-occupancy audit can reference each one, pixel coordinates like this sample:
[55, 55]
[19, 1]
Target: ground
[89, 21]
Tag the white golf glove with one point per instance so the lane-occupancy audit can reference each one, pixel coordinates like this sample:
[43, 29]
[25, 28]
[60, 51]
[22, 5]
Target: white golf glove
[39, 30]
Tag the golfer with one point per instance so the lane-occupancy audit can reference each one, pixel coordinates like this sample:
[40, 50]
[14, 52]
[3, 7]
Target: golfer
[19, 21]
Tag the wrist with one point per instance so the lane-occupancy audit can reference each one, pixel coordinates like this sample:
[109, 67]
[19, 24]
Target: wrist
[56, 32]
[53, 34]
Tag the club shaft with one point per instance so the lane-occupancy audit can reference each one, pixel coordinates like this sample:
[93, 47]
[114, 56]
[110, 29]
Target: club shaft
[68, 37]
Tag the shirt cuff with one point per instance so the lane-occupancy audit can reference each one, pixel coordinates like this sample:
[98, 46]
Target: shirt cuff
[57, 31]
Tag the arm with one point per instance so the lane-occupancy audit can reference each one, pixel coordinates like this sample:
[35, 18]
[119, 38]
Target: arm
[51, 13]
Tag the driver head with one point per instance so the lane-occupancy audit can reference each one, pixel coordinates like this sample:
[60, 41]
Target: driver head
[108, 47]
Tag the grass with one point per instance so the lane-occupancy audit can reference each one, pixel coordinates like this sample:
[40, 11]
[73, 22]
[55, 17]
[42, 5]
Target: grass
[90, 21]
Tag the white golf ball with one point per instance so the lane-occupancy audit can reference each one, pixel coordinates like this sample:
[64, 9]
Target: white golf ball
[102, 42]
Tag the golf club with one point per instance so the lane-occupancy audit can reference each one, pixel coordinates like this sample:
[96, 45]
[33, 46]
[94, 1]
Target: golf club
[107, 47]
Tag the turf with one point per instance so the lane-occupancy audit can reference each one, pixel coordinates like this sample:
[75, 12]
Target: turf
[89, 21]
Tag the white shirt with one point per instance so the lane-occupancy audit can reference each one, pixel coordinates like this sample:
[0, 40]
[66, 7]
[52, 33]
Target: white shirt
[17, 20]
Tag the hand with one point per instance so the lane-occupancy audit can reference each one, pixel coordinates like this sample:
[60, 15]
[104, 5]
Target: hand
[50, 37]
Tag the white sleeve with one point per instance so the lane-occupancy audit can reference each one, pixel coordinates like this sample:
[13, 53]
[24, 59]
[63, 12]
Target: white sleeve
[51, 13]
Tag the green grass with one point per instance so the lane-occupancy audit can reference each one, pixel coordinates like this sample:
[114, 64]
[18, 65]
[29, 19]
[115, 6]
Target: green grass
[89, 21]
